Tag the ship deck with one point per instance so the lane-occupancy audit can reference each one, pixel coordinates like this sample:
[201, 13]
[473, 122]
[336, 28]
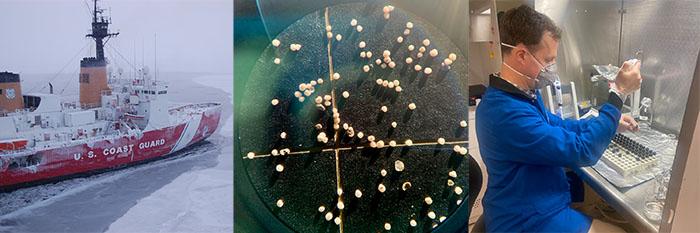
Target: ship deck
[178, 114]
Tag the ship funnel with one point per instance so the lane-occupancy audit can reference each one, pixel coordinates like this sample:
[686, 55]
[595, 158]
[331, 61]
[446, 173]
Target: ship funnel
[10, 92]
[93, 81]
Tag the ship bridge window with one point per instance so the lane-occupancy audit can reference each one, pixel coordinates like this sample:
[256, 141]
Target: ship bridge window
[31, 101]
[162, 92]
[147, 92]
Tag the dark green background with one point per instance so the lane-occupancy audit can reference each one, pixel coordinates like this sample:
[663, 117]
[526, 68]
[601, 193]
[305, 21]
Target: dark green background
[252, 34]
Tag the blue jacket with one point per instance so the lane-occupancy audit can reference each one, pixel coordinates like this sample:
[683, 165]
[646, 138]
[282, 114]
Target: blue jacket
[526, 148]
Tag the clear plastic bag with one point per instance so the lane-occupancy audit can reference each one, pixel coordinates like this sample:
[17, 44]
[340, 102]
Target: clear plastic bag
[605, 72]
[609, 72]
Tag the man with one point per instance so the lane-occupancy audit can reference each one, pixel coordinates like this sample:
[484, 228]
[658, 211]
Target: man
[525, 147]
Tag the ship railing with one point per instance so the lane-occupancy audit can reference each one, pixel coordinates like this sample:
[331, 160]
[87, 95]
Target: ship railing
[72, 106]
[18, 112]
[121, 81]
[140, 81]
[89, 106]
[180, 108]
[19, 152]
[70, 142]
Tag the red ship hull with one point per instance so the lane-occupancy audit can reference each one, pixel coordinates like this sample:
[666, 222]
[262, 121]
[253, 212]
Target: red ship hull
[103, 155]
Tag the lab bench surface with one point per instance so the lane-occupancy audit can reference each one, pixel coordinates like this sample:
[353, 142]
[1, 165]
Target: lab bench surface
[630, 201]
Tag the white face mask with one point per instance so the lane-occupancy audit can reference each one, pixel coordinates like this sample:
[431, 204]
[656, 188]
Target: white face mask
[546, 76]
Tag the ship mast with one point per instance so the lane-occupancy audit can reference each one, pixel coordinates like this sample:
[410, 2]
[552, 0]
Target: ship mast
[100, 31]
[93, 70]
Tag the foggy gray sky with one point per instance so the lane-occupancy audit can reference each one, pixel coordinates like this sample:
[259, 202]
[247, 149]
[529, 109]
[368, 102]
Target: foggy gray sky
[42, 36]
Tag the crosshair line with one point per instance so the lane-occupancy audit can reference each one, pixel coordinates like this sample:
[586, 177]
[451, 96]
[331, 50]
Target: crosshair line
[336, 131]
[358, 147]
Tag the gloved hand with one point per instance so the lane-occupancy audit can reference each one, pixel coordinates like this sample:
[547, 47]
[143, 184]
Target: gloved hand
[629, 79]
[627, 123]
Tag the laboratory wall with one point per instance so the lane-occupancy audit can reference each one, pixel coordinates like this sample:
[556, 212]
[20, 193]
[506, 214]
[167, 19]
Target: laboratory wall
[484, 44]
[667, 32]
[663, 34]
[484, 52]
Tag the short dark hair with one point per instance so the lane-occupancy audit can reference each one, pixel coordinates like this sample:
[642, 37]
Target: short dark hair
[525, 25]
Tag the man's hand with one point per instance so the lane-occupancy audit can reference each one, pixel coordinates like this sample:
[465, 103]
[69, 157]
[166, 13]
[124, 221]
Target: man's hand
[629, 78]
[627, 123]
